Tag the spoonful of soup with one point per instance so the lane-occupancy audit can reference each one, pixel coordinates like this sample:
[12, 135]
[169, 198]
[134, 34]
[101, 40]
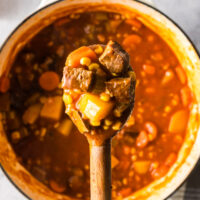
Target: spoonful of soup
[99, 87]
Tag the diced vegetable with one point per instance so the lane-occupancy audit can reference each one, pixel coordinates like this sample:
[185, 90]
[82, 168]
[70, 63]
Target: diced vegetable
[78, 121]
[93, 107]
[31, 114]
[49, 80]
[131, 39]
[95, 123]
[131, 121]
[15, 136]
[112, 25]
[141, 167]
[52, 108]
[67, 99]
[65, 127]
[114, 161]
[104, 96]
[32, 99]
[186, 96]
[116, 126]
[178, 121]
[85, 61]
[181, 74]
[73, 60]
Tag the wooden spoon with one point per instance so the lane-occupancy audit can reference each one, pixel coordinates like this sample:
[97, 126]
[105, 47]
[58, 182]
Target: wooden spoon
[99, 140]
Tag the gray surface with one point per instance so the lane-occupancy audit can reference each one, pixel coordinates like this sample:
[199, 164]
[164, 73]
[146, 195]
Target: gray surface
[185, 12]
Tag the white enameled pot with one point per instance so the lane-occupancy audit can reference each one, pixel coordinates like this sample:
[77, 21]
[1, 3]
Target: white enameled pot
[155, 20]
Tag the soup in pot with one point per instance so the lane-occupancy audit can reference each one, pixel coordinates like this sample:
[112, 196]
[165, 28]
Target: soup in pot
[45, 140]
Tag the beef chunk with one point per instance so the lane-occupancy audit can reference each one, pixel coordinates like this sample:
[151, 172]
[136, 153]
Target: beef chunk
[122, 89]
[114, 58]
[77, 78]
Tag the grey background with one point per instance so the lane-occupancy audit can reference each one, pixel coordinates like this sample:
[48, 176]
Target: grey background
[184, 12]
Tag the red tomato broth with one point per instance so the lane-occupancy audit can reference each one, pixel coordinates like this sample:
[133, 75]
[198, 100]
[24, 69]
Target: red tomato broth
[52, 157]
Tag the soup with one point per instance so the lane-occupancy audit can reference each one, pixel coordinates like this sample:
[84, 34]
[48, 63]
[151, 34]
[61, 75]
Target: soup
[47, 143]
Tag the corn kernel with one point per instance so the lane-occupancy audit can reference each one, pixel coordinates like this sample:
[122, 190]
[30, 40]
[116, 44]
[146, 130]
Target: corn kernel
[125, 181]
[117, 126]
[93, 132]
[132, 75]
[93, 66]
[104, 97]
[93, 123]
[133, 150]
[131, 173]
[167, 109]
[86, 167]
[99, 49]
[134, 158]
[43, 132]
[117, 113]
[15, 136]
[79, 195]
[114, 74]
[85, 61]
[131, 121]
[74, 16]
[105, 127]
[67, 99]
[108, 122]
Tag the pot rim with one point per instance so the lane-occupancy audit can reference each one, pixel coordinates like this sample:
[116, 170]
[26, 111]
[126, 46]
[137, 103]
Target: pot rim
[138, 1]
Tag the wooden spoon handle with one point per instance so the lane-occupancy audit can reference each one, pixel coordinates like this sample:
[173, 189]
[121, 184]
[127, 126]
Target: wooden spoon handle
[100, 171]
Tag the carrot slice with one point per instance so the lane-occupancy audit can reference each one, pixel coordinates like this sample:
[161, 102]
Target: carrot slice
[49, 80]
[73, 60]
[4, 84]
[131, 39]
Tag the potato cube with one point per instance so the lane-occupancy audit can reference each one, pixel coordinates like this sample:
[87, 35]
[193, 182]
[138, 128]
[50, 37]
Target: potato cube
[65, 127]
[178, 121]
[31, 114]
[93, 107]
[114, 161]
[141, 167]
[52, 108]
